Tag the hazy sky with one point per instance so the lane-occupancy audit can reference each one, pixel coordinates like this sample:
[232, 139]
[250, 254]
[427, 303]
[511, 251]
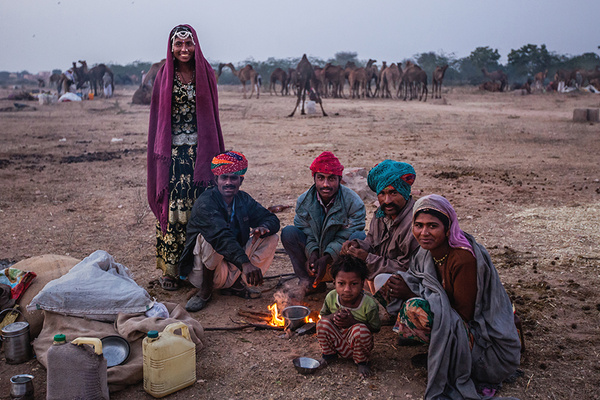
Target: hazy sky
[38, 35]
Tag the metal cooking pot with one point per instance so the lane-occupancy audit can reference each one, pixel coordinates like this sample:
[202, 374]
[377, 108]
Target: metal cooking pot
[17, 348]
[295, 316]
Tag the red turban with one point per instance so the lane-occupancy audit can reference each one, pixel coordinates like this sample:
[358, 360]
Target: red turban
[327, 163]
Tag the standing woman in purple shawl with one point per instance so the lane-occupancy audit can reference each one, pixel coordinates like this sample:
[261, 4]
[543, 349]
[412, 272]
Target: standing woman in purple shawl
[183, 136]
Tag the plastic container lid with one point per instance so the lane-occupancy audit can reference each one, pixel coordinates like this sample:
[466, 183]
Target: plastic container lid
[152, 334]
[60, 338]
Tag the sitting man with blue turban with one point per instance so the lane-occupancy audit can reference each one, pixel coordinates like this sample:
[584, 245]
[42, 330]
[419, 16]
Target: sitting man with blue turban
[390, 241]
[231, 238]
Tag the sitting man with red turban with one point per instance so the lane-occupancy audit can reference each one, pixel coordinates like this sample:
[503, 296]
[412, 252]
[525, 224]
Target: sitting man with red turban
[231, 239]
[327, 215]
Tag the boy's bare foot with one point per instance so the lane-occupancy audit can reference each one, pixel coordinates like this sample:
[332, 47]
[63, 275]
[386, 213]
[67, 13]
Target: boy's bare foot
[322, 363]
[364, 371]
[325, 360]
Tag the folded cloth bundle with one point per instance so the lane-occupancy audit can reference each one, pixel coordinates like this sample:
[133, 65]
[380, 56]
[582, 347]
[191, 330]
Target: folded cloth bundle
[18, 281]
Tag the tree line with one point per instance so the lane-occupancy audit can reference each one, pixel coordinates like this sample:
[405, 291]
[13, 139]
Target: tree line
[522, 64]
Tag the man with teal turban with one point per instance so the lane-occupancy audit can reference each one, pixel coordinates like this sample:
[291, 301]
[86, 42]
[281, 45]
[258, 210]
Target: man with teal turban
[231, 238]
[390, 242]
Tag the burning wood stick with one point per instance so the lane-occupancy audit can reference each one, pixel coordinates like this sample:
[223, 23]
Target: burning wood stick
[263, 316]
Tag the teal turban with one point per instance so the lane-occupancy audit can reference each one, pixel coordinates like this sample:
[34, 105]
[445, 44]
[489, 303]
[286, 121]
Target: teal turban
[397, 174]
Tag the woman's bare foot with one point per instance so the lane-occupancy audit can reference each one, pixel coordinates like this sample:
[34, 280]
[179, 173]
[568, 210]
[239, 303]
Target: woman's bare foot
[364, 371]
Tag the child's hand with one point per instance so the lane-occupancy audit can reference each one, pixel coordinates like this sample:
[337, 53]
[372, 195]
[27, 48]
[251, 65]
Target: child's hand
[343, 319]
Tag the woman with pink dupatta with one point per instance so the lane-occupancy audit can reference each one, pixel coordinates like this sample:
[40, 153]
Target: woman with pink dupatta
[456, 304]
[183, 136]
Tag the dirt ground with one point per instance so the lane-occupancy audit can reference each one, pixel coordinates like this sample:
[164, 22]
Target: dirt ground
[523, 178]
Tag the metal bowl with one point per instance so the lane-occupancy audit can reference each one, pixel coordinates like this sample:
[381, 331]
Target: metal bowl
[115, 350]
[306, 365]
[295, 316]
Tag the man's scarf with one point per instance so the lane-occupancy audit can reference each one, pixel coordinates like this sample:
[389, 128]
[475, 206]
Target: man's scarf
[210, 138]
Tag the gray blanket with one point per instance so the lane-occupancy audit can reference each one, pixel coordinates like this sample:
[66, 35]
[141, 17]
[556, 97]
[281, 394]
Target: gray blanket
[452, 365]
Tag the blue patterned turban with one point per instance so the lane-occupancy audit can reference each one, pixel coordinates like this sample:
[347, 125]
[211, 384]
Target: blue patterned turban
[400, 175]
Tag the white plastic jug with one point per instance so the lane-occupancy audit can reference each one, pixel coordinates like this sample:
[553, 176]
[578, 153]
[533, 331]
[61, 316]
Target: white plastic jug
[169, 360]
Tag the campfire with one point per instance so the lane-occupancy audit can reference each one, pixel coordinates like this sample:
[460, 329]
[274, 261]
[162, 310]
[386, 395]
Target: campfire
[276, 317]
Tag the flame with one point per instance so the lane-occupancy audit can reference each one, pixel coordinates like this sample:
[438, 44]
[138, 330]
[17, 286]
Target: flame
[276, 318]
[310, 319]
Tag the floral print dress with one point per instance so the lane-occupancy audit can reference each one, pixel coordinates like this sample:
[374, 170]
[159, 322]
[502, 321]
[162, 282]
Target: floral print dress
[182, 191]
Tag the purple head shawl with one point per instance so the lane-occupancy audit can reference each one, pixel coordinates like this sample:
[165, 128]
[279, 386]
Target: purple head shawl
[456, 237]
[210, 138]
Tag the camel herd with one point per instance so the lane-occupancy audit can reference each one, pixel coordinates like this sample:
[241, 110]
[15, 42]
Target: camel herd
[369, 81]
[407, 82]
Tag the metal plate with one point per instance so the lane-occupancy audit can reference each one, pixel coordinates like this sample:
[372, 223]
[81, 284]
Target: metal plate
[115, 349]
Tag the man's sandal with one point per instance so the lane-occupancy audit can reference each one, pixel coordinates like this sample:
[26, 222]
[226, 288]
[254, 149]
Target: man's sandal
[168, 283]
[196, 303]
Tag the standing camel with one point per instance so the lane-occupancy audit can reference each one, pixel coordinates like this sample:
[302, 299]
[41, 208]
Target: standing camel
[497, 76]
[372, 74]
[278, 75]
[334, 77]
[292, 80]
[390, 75]
[306, 79]
[436, 81]
[414, 80]
[244, 75]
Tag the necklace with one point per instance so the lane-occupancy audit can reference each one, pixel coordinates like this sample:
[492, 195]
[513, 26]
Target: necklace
[189, 88]
[440, 261]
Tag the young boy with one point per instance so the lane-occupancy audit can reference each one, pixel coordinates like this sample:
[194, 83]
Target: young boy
[349, 317]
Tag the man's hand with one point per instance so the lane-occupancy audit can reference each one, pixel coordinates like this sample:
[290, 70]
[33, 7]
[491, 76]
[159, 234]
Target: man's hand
[343, 319]
[347, 245]
[253, 274]
[310, 263]
[358, 252]
[398, 289]
[258, 232]
[320, 267]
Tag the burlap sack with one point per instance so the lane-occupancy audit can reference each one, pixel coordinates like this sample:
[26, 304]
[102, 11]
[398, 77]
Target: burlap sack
[47, 267]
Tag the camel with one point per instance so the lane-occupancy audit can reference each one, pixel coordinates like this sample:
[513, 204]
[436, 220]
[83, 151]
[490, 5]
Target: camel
[306, 78]
[244, 75]
[60, 82]
[319, 81]
[143, 94]
[539, 79]
[436, 80]
[414, 80]
[292, 80]
[589, 75]
[358, 79]
[490, 86]
[390, 75]
[496, 76]
[278, 75]
[333, 76]
[372, 73]
[93, 76]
